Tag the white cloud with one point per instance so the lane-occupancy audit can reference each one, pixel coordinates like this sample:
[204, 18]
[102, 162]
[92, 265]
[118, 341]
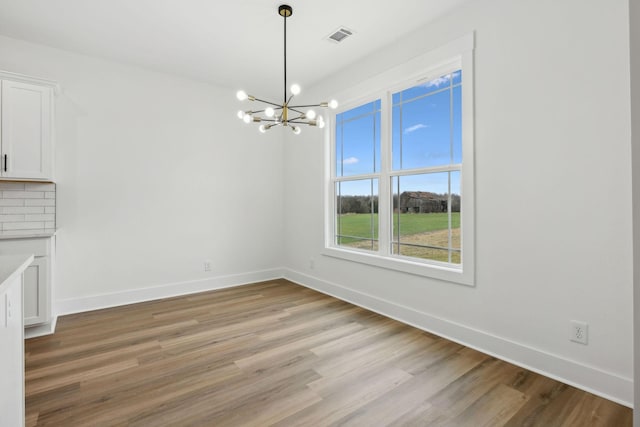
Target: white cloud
[415, 128]
[350, 161]
[444, 80]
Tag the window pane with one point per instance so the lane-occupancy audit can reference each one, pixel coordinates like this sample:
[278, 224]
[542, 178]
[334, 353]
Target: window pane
[457, 124]
[396, 146]
[457, 77]
[362, 110]
[425, 220]
[455, 213]
[422, 89]
[357, 214]
[427, 124]
[423, 131]
[358, 140]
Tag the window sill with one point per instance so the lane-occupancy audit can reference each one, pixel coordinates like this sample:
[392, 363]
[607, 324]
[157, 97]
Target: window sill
[449, 274]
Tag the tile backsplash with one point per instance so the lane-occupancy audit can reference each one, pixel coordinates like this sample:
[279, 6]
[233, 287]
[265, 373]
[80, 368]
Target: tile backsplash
[27, 206]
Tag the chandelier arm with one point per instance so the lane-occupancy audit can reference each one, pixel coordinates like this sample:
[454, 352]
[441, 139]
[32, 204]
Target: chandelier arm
[297, 111]
[300, 117]
[269, 102]
[305, 106]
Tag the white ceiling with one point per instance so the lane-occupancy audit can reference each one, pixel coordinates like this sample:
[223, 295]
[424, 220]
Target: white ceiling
[237, 43]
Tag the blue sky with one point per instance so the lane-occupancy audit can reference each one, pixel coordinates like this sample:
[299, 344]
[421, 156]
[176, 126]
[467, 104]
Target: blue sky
[423, 130]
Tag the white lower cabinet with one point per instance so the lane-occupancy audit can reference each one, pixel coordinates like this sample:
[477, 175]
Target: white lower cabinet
[37, 277]
[11, 353]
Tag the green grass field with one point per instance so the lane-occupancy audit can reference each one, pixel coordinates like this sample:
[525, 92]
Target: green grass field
[360, 225]
[420, 234]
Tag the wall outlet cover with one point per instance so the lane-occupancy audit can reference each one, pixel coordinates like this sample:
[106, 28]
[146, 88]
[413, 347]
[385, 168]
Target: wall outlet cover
[579, 332]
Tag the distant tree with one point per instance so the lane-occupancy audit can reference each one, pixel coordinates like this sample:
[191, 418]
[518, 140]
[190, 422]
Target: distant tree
[357, 204]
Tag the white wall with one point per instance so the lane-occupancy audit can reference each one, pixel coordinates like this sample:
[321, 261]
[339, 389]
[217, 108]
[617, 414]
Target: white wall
[553, 193]
[154, 175]
[634, 29]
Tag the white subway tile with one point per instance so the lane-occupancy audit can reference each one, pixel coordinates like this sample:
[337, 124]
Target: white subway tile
[40, 186]
[23, 210]
[40, 202]
[11, 202]
[12, 218]
[22, 225]
[27, 206]
[17, 186]
[40, 217]
[23, 194]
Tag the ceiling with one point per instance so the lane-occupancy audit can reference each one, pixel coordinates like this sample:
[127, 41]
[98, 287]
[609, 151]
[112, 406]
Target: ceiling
[235, 43]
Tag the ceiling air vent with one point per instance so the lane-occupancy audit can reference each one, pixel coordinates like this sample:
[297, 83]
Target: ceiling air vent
[339, 35]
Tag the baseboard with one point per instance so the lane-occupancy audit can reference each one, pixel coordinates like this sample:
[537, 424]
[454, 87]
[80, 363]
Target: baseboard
[588, 378]
[96, 302]
[41, 330]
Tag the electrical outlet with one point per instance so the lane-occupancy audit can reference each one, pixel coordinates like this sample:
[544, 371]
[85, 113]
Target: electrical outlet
[579, 332]
[207, 265]
[312, 263]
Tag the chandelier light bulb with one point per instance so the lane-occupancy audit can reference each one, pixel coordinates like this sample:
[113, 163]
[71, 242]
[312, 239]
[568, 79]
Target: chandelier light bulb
[320, 122]
[296, 129]
[247, 118]
[333, 104]
[240, 114]
[295, 89]
[242, 95]
[262, 128]
[310, 114]
[269, 112]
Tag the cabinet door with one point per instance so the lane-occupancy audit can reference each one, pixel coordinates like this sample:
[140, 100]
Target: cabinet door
[36, 293]
[26, 131]
[11, 358]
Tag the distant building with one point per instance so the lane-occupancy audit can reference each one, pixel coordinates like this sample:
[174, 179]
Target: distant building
[426, 202]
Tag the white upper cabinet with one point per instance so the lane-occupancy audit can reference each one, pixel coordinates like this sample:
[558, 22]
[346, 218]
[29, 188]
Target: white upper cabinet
[26, 143]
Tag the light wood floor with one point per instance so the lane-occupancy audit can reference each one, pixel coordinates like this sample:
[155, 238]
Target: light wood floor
[277, 353]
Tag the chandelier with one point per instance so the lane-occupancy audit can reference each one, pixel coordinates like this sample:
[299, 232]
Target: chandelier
[285, 114]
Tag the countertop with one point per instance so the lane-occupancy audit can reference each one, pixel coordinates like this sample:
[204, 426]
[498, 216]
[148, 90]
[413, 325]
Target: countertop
[27, 234]
[12, 266]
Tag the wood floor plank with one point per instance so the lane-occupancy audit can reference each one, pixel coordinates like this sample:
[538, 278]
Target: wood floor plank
[415, 392]
[340, 399]
[275, 353]
[493, 409]
[268, 355]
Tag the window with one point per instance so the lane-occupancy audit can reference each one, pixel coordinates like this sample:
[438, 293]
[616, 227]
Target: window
[427, 159]
[400, 161]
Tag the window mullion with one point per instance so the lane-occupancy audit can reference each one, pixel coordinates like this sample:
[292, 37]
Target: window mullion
[385, 202]
[451, 132]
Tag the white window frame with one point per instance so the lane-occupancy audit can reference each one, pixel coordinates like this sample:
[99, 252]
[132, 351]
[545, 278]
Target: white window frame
[457, 54]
